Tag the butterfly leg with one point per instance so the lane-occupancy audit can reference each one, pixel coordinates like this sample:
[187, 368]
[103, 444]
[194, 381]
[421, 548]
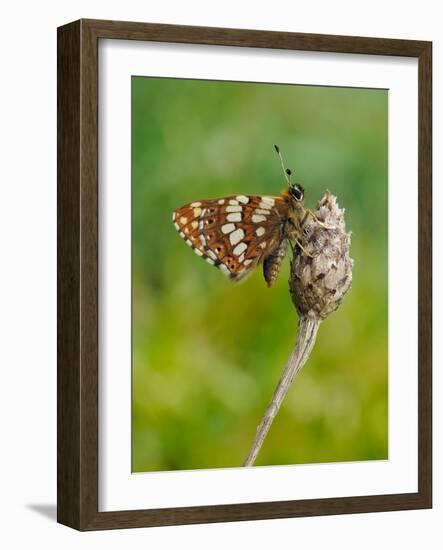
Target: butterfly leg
[302, 248]
[321, 224]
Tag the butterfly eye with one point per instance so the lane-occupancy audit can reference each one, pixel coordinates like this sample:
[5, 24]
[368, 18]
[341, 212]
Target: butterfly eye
[297, 192]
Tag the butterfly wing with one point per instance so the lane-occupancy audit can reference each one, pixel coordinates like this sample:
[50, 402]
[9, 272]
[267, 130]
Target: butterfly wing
[233, 233]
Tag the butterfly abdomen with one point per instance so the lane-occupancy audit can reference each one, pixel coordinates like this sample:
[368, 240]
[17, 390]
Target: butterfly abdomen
[272, 263]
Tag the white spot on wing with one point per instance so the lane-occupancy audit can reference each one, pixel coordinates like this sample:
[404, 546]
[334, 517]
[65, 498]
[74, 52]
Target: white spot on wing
[221, 201]
[268, 200]
[211, 254]
[236, 217]
[198, 252]
[197, 212]
[182, 235]
[261, 211]
[237, 208]
[234, 202]
[247, 262]
[183, 220]
[227, 228]
[262, 245]
[223, 268]
[176, 226]
[260, 231]
[173, 216]
[241, 258]
[242, 198]
[195, 204]
[194, 224]
[257, 218]
[236, 236]
[239, 249]
[209, 261]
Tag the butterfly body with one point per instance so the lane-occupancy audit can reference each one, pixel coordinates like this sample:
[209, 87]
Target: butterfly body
[238, 232]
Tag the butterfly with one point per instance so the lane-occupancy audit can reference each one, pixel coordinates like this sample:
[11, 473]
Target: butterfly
[236, 233]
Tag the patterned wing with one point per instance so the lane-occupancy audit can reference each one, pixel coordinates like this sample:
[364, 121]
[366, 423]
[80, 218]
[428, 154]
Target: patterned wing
[233, 233]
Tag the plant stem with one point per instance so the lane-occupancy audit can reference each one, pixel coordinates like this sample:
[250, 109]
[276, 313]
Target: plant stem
[306, 335]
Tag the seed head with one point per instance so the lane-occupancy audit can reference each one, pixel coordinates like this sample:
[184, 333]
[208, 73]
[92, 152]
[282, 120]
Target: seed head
[318, 284]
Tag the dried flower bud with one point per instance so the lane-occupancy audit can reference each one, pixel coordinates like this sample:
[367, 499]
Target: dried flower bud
[318, 284]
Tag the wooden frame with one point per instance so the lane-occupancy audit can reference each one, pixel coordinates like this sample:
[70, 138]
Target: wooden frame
[77, 456]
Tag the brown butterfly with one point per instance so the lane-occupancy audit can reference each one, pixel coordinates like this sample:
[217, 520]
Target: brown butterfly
[238, 232]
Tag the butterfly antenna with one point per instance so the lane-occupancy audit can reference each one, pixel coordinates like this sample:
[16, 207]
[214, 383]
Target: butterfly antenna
[286, 171]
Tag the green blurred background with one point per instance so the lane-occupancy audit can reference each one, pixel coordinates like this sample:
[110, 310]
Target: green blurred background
[207, 353]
